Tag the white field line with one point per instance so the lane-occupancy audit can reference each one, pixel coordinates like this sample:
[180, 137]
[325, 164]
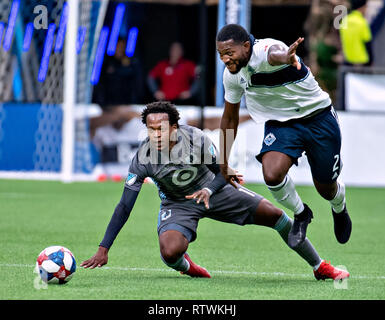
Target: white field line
[14, 195]
[278, 274]
[20, 195]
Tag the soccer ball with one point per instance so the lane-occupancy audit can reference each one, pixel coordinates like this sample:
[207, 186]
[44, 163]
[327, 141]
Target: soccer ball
[56, 264]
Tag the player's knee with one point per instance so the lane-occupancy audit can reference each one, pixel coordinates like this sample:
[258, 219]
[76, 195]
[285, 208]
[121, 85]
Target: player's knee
[168, 255]
[326, 191]
[171, 254]
[273, 178]
[275, 166]
[327, 195]
[172, 245]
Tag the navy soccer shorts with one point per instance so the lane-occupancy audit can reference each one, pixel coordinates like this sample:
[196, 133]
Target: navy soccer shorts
[318, 136]
[237, 206]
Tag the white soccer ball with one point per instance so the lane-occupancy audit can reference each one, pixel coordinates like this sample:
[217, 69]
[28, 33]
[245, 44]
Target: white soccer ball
[56, 264]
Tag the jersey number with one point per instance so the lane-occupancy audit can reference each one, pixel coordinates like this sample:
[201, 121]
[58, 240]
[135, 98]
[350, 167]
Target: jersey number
[336, 167]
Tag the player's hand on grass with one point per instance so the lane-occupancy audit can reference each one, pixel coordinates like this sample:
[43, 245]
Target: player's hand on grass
[291, 54]
[201, 195]
[99, 259]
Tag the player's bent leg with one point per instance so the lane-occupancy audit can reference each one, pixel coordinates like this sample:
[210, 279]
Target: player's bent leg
[335, 193]
[326, 190]
[275, 166]
[321, 269]
[267, 214]
[304, 249]
[173, 246]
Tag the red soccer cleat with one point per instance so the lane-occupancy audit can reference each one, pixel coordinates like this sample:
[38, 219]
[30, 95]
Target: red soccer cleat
[195, 270]
[327, 271]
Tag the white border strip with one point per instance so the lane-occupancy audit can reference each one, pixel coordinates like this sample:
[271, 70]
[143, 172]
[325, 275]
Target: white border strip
[277, 274]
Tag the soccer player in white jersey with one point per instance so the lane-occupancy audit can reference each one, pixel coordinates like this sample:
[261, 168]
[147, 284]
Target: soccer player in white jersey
[281, 91]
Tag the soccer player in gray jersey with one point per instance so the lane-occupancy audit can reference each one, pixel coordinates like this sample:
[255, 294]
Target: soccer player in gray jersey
[281, 91]
[182, 162]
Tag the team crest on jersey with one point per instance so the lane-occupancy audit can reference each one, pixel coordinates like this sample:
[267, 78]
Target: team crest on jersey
[269, 139]
[165, 214]
[131, 178]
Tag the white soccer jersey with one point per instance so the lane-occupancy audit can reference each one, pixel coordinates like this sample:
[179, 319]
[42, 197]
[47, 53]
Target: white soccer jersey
[274, 92]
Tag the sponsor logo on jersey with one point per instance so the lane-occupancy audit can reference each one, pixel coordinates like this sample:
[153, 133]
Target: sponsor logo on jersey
[242, 81]
[269, 139]
[131, 178]
[183, 177]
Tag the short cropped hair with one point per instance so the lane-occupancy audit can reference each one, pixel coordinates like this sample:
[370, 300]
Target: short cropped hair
[233, 31]
[356, 4]
[161, 107]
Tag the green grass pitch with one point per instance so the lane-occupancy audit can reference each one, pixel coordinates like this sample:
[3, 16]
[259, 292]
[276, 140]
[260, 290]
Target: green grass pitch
[248, 263]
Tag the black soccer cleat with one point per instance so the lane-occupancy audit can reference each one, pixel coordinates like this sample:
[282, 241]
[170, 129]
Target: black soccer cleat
[297, 233]
[342, 225]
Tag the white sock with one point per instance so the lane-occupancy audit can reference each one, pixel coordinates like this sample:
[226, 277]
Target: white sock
[286, 195]
[338, 203]
[181, 265]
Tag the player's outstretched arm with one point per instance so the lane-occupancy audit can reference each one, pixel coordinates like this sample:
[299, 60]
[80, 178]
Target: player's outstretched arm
[118, 219]
[278, 55]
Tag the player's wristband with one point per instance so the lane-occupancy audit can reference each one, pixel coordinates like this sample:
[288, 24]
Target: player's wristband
[208, 190]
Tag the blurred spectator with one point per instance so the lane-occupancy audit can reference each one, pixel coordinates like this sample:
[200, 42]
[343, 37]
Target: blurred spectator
[325, 52]
[115, 135]
[121, 80]
[356, 35]
[174, 79]
[328, 58]
[213, 122]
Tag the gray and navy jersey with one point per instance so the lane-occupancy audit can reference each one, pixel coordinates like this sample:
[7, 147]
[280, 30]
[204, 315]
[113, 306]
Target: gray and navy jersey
[177, 173]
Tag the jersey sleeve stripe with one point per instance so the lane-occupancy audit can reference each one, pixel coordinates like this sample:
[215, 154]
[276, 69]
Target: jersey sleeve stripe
[280, 77]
